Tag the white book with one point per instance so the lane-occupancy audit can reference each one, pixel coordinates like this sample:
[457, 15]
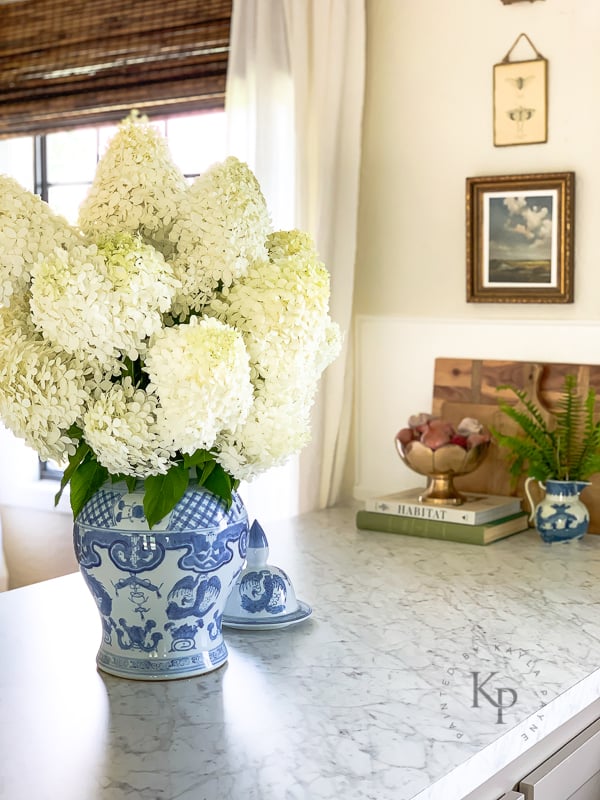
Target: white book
[477, 509]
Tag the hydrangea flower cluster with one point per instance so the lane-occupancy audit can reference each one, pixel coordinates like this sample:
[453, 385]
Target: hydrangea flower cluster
[279, 302]
[120, 201]
[221, 231]
[169, 336]
[29, 229]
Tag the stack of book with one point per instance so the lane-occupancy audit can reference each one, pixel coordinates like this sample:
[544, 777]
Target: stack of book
[481, 519]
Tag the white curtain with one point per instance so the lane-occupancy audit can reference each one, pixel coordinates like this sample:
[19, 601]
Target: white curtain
[294, 102]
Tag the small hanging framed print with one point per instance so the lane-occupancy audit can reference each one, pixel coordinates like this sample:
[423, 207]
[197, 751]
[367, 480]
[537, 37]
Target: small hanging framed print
[520, 100]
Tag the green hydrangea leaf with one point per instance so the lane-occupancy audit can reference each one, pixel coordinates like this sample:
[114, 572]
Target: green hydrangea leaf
[204, 473]
[197, 459]
[75, 432]
[74, 462]
[220, 483]
[163, 492]
[85, 482]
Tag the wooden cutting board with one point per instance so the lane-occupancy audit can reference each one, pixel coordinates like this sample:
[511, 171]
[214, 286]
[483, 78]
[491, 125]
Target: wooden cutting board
[468, 388]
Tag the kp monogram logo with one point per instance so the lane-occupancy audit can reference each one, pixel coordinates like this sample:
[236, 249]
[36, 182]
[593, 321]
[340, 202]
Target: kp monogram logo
[499, 703]
[480, 684]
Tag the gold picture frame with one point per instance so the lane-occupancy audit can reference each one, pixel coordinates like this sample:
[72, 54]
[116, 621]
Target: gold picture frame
[520, 238]
[521, 102]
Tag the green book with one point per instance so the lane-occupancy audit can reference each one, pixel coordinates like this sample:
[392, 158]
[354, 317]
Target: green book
[451, 531]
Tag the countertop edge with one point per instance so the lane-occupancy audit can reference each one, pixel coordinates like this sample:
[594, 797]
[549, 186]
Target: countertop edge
[482, 766]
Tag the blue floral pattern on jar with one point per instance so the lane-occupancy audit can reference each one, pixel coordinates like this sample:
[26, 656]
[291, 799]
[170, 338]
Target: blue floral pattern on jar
[161, 592]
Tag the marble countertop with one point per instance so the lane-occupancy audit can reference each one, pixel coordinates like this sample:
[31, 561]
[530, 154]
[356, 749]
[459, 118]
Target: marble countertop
[390, 690]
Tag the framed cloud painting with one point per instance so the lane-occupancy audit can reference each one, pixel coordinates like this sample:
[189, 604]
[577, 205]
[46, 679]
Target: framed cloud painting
[520, 237]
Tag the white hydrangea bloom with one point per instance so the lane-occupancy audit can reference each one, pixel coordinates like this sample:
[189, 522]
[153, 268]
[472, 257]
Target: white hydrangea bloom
[28, 228]
[276, 428]
[121, 426]
[137, 188]
[17, 317]
[104, 332]
[43, 391]
[282, 308]
[102, 300]
[221, 230]
[200, 374]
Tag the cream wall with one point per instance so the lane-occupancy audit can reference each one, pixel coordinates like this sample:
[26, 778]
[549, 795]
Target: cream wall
[428, 126]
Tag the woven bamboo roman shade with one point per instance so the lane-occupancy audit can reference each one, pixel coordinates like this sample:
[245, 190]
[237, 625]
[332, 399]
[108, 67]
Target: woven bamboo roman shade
[71, 62]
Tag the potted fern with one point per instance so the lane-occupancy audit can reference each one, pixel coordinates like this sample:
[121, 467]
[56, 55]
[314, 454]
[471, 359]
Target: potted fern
[560, 451]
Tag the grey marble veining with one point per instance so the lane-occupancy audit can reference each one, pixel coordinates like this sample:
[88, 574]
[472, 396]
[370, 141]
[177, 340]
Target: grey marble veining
[372, 697]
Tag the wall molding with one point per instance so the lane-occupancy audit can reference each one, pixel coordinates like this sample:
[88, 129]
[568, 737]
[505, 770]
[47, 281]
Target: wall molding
[394, 370]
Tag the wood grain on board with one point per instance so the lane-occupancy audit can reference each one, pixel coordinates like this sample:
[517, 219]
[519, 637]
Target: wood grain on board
[468, 388]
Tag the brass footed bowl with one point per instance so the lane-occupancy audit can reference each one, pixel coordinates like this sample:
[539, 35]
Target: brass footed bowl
[441, 466]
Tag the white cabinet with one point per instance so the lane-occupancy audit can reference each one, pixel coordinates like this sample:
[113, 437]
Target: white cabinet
[565, 765]
[572, 773]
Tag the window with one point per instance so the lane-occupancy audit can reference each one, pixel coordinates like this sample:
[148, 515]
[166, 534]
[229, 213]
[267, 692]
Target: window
[60, 167]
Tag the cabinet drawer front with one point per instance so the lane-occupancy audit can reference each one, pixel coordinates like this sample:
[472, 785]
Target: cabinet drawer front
[567, 771]
[589, 790]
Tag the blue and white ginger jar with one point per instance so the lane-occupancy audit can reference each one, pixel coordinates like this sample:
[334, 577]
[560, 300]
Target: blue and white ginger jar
[160, 592]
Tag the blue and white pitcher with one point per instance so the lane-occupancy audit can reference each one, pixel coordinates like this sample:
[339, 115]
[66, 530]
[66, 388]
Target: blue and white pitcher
[560, 516]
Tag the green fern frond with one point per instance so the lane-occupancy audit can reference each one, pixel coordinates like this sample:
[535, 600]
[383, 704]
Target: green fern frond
[569, 423]
[587, 457]
[569, 449]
